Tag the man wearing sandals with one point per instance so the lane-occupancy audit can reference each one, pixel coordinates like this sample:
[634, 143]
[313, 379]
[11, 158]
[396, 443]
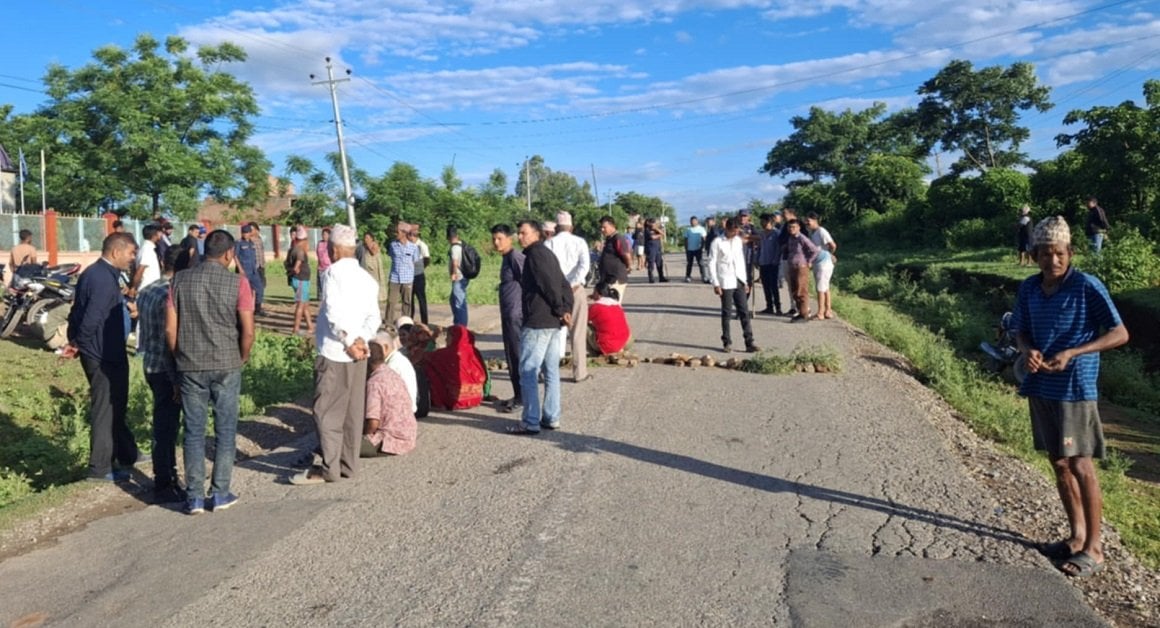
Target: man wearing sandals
[1063, 319]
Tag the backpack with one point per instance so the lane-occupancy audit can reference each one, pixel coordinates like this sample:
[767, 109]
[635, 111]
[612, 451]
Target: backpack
[469, 263]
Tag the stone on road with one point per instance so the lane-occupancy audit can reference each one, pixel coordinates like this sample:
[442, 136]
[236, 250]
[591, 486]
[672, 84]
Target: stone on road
[671, 496]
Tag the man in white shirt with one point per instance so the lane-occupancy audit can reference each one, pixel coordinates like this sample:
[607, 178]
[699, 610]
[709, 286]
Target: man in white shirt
[348, 319]
[572, 251]
[727, 273]
[148, 265]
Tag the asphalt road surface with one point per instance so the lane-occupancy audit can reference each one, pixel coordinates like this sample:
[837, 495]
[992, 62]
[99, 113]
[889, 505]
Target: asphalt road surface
[671, 496]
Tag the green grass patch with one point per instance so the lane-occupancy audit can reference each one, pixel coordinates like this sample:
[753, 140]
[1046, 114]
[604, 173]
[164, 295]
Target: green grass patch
[823, 358]
[483, 290]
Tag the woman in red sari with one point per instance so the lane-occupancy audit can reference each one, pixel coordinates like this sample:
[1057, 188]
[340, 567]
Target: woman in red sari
[457, 372]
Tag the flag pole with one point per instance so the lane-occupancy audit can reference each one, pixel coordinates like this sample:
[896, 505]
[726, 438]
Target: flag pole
[43, 197]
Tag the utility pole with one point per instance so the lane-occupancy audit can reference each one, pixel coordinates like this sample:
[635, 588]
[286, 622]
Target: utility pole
[528, 181]
[332, 83]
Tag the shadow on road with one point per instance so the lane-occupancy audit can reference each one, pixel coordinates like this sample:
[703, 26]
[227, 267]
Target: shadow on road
[580, 443]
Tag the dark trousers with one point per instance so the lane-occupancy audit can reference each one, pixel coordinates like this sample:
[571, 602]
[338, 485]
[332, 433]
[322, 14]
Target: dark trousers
[689, 257]
[511, 351]
[418, 294]
[166, 420]
[730, 299]
[258, 285]
[769, 287]
[340, 390]
[110, 438]
[656, 260]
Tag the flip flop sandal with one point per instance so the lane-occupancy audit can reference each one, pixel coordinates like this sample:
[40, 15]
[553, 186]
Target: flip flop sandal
[1083, 566]
[1058, 550]
[307, 478]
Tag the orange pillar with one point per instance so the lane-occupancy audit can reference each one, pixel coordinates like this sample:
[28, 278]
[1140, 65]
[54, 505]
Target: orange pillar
[277, 241]
[51, 241]
[110, 218]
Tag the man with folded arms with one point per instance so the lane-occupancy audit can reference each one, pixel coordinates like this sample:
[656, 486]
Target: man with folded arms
[348, 319]
[572, 252]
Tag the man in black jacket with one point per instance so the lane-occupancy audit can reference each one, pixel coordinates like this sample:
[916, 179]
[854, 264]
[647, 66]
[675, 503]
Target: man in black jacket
[97, 327]
[547, 303]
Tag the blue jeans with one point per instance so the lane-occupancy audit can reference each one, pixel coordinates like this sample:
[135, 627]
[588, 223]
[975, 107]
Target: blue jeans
[1097, 241]
[198, 390]
[459, 302]
[540, 351]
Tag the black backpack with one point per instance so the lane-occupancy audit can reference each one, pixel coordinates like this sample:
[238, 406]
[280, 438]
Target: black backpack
[469, 263]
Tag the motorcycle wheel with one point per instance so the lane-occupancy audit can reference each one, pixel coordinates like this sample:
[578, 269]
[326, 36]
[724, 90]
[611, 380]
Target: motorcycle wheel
[12, 320]
[36, 308]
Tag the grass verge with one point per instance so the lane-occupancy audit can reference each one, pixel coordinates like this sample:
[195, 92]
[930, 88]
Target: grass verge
[822, 359]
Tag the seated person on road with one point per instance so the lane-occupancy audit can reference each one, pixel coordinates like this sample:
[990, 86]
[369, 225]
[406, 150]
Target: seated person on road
[458, 375]
[418, 340]
[608, 331]
[390, 426]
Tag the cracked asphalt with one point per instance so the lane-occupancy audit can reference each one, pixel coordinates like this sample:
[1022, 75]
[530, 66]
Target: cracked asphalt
[671, 496]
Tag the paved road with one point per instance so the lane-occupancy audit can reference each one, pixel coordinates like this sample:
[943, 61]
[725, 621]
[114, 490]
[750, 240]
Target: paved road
[670, 497]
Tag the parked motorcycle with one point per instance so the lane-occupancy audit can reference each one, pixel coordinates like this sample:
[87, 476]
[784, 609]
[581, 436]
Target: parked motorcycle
[1004, 351]
[37, 296]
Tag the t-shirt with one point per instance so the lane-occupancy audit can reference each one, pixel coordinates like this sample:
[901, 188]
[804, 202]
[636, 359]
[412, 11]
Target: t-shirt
[296, 255]
[694, 238]
[609, 325]
[1073, 316]
[820, 237]
[423, 253]
[147, 260]
[457, 257]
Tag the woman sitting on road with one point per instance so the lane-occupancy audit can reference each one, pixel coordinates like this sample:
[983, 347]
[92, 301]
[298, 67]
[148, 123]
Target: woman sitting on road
[390, 426]
[458, 375]
[608, 331]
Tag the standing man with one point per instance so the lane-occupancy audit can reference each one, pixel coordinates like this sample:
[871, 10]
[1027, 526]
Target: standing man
[712, 232]
[246, 252]
[201, 234]
[511, 313]
[752, 242]
[768, 261]
[96, 332]
[321, 252]
[148, 263]
[458, 280]
[260, 248]
[727, 270]
[190, 246]
[165, 242]
[797, 254]
[547, 303]
[654, 249]
[615, 257]
[1063, 319]
[694, 246]
[209, 327]
[638, 241]
[419, 287]
[403, 254]
[370, 259]
[161, 375]
[787, 214]
[572, 252]
[348, 319]
[1096, 226]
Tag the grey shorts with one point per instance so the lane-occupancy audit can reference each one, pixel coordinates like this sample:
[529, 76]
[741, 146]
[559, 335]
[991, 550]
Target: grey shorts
[1065, 429]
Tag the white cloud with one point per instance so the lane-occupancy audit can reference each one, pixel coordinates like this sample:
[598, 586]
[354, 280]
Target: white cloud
[683, 37]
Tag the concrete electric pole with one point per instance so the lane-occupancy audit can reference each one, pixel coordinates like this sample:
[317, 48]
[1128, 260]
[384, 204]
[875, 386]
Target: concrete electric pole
[332, 83]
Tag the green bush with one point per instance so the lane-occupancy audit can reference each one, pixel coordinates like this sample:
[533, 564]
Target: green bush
[13, 487]
[1125, 380]
[972, 233]
[1128, 261]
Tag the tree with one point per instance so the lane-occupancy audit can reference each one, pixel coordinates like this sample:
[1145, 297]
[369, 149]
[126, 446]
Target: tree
[319, 200]
[884, 183]
[824, 145]
[138, 126]
[1120, 146]
[977, 113]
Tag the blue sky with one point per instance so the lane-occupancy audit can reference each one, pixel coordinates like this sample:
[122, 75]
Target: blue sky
[679, 98]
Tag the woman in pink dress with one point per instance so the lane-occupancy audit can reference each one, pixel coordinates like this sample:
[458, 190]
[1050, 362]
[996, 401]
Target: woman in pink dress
[390, 426]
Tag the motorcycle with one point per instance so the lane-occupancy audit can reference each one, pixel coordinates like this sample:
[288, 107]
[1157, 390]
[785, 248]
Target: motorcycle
[37, 296]
[1004, 351]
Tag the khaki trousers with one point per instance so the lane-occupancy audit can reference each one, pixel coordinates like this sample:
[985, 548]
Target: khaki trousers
[578, 334]
[398, 301]
[340, 390]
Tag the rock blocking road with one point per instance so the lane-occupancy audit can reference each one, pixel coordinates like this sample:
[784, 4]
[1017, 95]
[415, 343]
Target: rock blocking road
[671, 496]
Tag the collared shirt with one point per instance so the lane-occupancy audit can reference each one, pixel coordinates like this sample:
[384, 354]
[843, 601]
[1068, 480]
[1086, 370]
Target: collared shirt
[798, 250]
[1074, 315]
[349, 310]
[152, 303]
[423, 252]
[147, 259]
[402, 261]
[727, 263]
[770, 253]
[96, 323]
[261, 248]
[572, 251]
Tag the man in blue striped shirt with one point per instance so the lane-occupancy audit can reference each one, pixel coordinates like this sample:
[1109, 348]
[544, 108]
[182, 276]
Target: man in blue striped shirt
[1063, 319]
[403, 254]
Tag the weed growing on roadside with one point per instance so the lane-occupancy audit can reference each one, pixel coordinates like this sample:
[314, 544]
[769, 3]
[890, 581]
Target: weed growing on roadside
[767, 363]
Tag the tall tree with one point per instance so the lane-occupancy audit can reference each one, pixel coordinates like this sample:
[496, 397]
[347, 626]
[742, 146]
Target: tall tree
[137, 125]
[977, 113]
[1121, 149]
[824, 144]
